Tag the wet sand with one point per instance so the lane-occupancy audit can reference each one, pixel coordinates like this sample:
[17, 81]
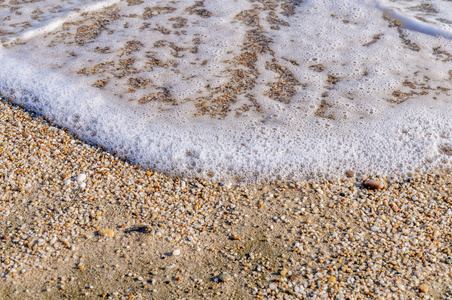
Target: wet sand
[77, 222]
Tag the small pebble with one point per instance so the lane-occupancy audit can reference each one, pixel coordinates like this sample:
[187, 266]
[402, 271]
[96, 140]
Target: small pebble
[106, 232]
[423, 288]
[374, 228]
[80, 178]
[176, 252]
[332, 279]
[374, 184]
[224, 277]
[349, 173]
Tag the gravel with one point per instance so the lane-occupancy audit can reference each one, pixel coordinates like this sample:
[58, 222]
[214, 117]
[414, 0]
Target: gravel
[289, 240]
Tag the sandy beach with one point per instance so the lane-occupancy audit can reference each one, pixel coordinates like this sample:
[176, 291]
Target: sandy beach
[79, 223]
[249, 90]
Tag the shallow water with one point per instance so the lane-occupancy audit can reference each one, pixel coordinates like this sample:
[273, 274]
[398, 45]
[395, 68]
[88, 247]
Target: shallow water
[240, 90]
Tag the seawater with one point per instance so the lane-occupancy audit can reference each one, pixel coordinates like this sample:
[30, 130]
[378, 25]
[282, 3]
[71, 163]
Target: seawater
[240, 90]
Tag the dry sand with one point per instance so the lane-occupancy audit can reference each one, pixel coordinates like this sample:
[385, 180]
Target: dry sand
[77, 222]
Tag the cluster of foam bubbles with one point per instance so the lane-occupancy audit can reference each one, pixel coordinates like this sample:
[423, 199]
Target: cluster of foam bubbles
[429, 17]
[26, 19]
[334, 85]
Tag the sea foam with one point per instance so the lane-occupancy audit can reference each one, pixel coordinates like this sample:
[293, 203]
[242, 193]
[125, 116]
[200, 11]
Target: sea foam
[240, 90]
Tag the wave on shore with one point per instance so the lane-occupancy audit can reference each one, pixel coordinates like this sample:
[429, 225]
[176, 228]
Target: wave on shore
[247, 90]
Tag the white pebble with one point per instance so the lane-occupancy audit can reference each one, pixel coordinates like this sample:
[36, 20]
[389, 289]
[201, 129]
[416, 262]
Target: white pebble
[176, 252]
[81, 177]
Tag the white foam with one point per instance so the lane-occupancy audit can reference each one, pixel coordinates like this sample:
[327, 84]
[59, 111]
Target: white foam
[430, 17]
[363, 94]
[51, 25]
[55, 15]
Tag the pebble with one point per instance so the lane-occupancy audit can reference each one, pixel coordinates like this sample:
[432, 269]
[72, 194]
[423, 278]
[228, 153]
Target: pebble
[340, 296]
[423, 288]
[176, 252]
[375, 228]
[106, 232]
[80, 178]
[224, 277]
[349, 173]
[374, 184]
[332, 279]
